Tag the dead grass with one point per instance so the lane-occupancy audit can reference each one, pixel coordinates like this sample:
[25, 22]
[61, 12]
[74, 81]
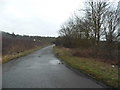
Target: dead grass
[95, 68]
[9, 57]
[98, 54]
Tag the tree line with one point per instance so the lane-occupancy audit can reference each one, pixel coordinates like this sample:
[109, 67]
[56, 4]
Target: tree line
[98, 29]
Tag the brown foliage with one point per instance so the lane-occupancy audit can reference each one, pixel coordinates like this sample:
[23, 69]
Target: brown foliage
[12, 44]
[99, 54]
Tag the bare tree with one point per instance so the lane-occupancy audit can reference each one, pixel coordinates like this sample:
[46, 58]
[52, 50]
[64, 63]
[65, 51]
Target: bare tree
[110, 27]
[97, 10]
[111, 30]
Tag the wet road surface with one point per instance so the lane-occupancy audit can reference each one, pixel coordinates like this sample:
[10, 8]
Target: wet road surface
[41, 69]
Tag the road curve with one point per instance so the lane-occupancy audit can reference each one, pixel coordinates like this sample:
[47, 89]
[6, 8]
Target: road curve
[41, 69]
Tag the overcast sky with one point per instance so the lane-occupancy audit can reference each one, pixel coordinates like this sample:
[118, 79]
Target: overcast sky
[36, 17]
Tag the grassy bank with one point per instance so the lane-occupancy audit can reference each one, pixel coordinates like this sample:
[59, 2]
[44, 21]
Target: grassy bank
[99, 70]
[7, 58]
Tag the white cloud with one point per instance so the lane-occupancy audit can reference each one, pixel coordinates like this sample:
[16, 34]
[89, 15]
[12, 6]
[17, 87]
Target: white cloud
[36, 17]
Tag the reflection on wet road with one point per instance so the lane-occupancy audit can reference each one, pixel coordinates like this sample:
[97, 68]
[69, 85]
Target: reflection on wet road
[42, 69]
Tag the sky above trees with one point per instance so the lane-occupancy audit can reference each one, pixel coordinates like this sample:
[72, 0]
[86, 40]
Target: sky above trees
[37, 17]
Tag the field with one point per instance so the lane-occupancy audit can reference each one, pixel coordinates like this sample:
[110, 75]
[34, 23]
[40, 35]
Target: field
[14, 46]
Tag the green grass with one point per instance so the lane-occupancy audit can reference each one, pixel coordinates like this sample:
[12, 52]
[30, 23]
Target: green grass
[99, 70]
[8, 58]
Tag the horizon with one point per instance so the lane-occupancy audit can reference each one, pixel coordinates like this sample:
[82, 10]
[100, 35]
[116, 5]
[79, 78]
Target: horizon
[37, 18]
[28, 35]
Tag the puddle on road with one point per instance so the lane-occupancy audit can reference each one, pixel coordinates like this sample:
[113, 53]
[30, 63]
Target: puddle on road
[54, 62]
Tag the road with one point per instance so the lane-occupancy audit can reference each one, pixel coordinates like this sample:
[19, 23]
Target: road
[41, 69]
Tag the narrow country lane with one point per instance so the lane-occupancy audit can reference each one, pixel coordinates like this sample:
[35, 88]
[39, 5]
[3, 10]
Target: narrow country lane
[41, 69]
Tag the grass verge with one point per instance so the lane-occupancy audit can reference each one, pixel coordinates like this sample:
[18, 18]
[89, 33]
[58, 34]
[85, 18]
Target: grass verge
[99, 70]
[8, 58]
